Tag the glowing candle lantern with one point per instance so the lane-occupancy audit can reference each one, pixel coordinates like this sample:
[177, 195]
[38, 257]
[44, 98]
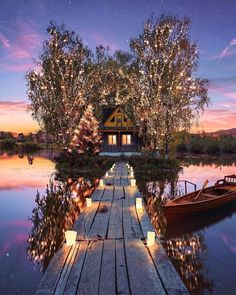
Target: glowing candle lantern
[139, 203]
[88, 202]
[150, 238]
[107, 174]
[70, 237]
[112, 169]
[101, 182]
[131, 168]
[127, 166]
[133, 182]
[132, 173]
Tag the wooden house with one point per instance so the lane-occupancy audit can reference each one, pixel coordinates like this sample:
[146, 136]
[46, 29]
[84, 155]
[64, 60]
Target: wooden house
[118, 132]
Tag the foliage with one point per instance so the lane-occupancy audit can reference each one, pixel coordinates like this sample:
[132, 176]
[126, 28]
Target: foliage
[73, 164]
[54, 213]
[168, 95]
[87, 138]
[203, 144]
[59, 89]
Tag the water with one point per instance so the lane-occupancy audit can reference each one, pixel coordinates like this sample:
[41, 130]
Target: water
[19, 180]
[202, 247]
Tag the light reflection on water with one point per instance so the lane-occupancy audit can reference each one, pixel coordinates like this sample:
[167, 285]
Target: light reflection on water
[203, 247]
[32, 225]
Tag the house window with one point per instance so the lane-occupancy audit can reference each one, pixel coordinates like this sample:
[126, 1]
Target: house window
[112, 139]
[126, 139]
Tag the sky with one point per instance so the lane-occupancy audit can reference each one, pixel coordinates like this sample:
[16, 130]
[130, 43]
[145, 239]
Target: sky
[23, 25]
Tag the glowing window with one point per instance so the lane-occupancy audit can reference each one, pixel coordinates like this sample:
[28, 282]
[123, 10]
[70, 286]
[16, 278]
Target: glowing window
[112, 139]
[126, 139]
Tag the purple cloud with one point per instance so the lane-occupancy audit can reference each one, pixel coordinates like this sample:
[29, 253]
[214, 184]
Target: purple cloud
[228, 51]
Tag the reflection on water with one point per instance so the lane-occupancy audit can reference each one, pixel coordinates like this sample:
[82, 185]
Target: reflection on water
[202, 247]
[55, 212]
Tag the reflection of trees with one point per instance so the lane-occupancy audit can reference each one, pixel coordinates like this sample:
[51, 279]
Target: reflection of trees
[209, 161]
[186, 252]
[156, 194]
[54, 213]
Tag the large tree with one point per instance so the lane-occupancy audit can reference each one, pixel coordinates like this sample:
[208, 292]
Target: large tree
[167, 95]
[58, 91]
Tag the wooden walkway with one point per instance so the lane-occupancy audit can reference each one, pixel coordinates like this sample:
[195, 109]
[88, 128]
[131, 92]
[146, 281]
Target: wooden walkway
[111, 255]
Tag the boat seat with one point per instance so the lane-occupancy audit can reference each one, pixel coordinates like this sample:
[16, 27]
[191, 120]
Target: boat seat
[208, 196]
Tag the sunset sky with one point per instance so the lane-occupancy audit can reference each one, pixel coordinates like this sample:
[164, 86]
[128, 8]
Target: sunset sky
[23, 25]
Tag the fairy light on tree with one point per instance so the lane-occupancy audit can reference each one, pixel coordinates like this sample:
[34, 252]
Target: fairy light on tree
[58, 92]
[167, 94]
[86, 138]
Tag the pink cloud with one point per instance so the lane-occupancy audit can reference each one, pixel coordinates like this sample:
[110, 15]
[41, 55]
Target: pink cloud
[229, 50]
[4, 41]
[16, 105]
[16, 67]
[19, 51]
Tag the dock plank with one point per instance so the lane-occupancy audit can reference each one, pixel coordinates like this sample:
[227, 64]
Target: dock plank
[115, 228]
[73, 280]
[142, 273]
[107, 280]
[89, 281]
[52, 274]
[122, 283]
[108, 193]
[100, 224]
[166, 271]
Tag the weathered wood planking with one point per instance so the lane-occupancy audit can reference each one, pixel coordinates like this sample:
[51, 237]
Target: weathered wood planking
[98, 193]
[115, 228]
[73, 280]
[85, 221]
[142, 273]
[100, 224]
[134, 219]
[52, 274]
[166, 271]
[108, 193]
[107, 283]
[66, 270]
[122, 282]
[89, 281]
[114, 259]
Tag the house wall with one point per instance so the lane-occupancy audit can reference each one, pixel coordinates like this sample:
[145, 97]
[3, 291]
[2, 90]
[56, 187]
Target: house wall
[119, 147]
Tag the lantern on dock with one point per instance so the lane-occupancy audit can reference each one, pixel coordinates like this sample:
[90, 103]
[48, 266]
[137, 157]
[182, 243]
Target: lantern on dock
[101, 182]
[107, 174]
[150, 238]
[133, 182]
[131, 168]
[70, 237]
[139, 203]
[88, 202]
[132, 173]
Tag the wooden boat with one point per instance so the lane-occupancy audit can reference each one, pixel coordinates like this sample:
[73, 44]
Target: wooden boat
[223, 192]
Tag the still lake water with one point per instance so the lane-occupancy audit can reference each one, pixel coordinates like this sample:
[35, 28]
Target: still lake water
[203, 248]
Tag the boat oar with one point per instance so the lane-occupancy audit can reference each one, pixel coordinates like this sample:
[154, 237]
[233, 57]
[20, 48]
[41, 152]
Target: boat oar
[204, 185]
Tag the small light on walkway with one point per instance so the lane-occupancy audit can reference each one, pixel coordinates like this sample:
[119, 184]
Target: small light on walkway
[101, 182]
[70, 237]
[139, 203]
[88, 202]
[132, 173]
[150, 238]
[107, 174]
[133, 182]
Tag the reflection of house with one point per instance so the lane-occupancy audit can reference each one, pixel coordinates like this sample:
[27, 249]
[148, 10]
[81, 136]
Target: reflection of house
[118, 133]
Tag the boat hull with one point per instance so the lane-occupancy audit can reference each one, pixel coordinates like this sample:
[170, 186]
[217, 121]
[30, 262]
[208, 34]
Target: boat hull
[178, 207]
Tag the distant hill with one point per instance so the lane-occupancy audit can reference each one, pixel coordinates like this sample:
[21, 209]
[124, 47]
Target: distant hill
[231, 132]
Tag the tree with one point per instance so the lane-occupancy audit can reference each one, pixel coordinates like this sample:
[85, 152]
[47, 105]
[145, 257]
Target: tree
[87, 138]
[58, 91]
[110, 79]
[167, 95]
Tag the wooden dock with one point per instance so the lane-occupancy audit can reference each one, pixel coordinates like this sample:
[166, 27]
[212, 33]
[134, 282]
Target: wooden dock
[111, 255]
